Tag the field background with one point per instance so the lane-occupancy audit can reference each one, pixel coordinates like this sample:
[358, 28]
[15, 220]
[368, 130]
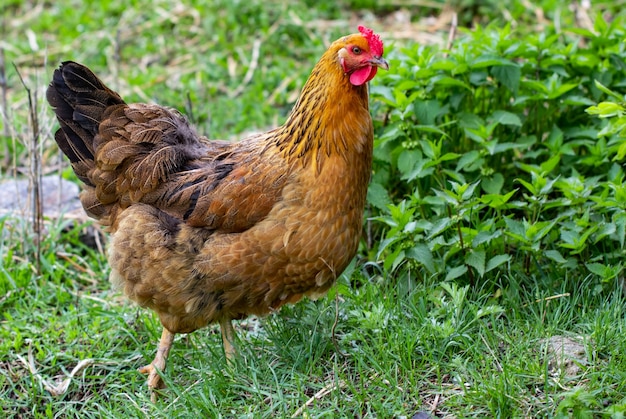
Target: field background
[490, 278]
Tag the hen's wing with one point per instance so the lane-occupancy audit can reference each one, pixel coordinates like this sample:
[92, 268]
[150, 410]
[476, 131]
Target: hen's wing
[150, 154]
[230, 193]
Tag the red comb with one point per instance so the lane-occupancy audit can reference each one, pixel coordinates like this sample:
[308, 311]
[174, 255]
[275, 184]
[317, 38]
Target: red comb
[376, 45]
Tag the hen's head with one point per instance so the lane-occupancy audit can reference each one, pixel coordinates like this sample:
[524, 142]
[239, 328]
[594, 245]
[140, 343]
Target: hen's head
[360, 56]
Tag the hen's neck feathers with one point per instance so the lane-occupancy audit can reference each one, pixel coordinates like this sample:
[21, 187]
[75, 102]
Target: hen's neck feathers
[331, 116]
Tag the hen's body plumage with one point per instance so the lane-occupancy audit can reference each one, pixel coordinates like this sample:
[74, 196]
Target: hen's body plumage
[208, 231]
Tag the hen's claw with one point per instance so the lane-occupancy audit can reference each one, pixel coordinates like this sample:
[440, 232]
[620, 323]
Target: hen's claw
[154, 379]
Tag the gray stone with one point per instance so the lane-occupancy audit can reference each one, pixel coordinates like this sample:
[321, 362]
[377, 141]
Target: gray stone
[58, 196]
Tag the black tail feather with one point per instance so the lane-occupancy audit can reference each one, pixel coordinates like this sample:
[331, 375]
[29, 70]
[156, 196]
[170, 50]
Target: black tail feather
[79, 100]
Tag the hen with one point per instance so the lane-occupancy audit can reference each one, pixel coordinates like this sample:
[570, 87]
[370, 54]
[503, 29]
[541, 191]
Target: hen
[210, 231]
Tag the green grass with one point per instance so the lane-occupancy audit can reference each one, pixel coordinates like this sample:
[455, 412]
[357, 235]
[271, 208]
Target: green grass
[477, 353]
[415, 324]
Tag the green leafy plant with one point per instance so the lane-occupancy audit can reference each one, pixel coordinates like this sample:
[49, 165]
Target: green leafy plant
[486, 161]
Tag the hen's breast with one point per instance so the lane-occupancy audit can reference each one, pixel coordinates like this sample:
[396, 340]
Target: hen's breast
[300, 248]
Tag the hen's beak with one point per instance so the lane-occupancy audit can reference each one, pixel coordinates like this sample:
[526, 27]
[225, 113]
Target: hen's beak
[379, 62]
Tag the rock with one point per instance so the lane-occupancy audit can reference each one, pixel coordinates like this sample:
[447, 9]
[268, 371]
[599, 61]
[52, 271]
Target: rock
[565, 354]
[59, 201]
[58, 196]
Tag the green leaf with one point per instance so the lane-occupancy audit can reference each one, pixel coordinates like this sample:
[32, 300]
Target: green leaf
[448, 157]
[407, 85]
[535, 85]
[422, 254]
[456, 272]
[484, 61]
[621, 152]
[493, 184]
[489, 310]
[605, 229]
[550, 164]
[430, 128]
[439, 226]
[407, 160]
[485, 237]
[515, 227]
[561, 90]
[529, 186]
[608, 91]
[470, 120]
[508, 75]
[445, 65]
[538, 230]
[587, 59]
[377, 196]
[606, 110]
[596, 268]
[397, 260]
[576, 100]
[497, 200]
[391, 132]
[469, 161]
[426, 111]
[467, 191]
[556, 256]
[500, 147]
[506, 118]
[496, 261]
[476, 259]
[394, 259]
[422, 169]
[450, 81]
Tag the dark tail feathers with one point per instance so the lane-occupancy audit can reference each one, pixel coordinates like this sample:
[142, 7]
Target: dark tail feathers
[79, 100]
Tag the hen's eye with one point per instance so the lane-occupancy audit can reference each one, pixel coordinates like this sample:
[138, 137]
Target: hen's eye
[356, 50]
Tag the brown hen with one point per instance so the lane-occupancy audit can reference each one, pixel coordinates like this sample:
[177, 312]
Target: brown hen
[210, 231]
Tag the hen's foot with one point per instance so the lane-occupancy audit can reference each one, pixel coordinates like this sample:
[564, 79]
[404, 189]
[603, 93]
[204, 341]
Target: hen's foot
[154, 379]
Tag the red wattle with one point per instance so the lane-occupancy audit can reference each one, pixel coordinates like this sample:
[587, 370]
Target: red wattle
[362, 75]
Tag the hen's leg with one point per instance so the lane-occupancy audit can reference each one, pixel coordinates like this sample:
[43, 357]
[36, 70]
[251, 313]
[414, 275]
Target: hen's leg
[228, 339]
[154, 380]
